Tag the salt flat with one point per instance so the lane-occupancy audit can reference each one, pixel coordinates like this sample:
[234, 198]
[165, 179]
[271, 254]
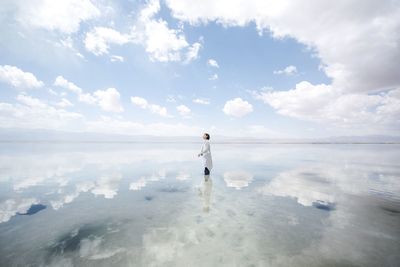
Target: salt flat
[130, 204]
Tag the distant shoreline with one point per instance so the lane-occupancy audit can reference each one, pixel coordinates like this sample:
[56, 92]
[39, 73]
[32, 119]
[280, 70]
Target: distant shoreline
[192, 142]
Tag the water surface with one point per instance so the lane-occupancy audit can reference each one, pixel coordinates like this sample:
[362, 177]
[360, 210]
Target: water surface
[149, 205]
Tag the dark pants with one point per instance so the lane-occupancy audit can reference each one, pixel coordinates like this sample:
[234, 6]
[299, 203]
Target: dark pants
[206, 171]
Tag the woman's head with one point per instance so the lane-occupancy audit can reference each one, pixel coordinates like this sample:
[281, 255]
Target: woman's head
[206, 136]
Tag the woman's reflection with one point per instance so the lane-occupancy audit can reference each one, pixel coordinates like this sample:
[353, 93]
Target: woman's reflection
[205, 193]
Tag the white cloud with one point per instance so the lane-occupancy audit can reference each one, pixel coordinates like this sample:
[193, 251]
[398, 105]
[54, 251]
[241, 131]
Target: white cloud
[192, 52]
[64, 103]
[237, 107]
[98, 40]
[139, 101]
[142, 103]
[52, 92]
[115, 58]
[32, 113]
[162, 111]
[31, 102]
[87, 98]
[358, 50]
[63, 16]
[184, 111]
[212, 63]
[18, 78]
[325, 104]
[289, 70]
[213, 77]
[109, 100]
[162, 43]
[340, 57]
[62, 82]
[122, 126]
[202, 101]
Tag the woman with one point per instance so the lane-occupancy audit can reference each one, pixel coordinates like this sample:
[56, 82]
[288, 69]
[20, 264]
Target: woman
[206, 154]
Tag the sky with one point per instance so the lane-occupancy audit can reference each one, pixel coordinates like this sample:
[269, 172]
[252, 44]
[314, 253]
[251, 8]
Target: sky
[257, 68]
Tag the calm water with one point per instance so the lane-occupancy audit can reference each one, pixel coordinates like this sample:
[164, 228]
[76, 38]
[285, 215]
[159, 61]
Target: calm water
[149, 205]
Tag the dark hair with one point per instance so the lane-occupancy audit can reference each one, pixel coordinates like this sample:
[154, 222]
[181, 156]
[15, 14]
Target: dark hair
[207, 136]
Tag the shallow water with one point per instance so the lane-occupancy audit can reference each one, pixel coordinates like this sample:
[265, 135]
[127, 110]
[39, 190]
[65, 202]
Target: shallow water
[149, 205]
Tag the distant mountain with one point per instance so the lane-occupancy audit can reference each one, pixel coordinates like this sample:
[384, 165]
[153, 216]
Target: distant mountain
[38, 135]
[363, 139]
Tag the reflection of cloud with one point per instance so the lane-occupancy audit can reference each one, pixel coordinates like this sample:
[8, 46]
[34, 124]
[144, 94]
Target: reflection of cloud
[182, 176]
[84, 186]
[92, 249]
[11, 207]
[238, 179]
[138, 185]
[165, 245]
[54, 169]
[325, 184]
[28, 169]
[360, 222]
[308, 186]
[107, 186]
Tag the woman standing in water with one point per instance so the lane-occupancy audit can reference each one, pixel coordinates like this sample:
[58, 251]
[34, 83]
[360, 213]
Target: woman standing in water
[206, 154]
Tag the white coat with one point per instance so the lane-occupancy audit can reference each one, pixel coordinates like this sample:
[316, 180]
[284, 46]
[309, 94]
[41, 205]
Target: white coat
[206, 154]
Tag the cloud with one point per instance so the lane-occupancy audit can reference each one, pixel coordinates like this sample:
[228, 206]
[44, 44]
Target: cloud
[357, 61]
[52, 92]
[62, 16]
[123, 126]
[184, 111]
[108, 100]
[359, 54]
[213, 77]
[115, 58]
[161, 43]
[64, 103]
[237, 107]
[202, 101]
[325, 104]
[64, 83]
[142, 103]
[18, 78]
[98, 40]
[139, 101]
[32, 113]
[192, 52]
[212, 63]
[289, 70]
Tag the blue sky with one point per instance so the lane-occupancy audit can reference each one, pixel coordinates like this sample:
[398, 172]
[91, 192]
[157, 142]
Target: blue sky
[175, 67]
